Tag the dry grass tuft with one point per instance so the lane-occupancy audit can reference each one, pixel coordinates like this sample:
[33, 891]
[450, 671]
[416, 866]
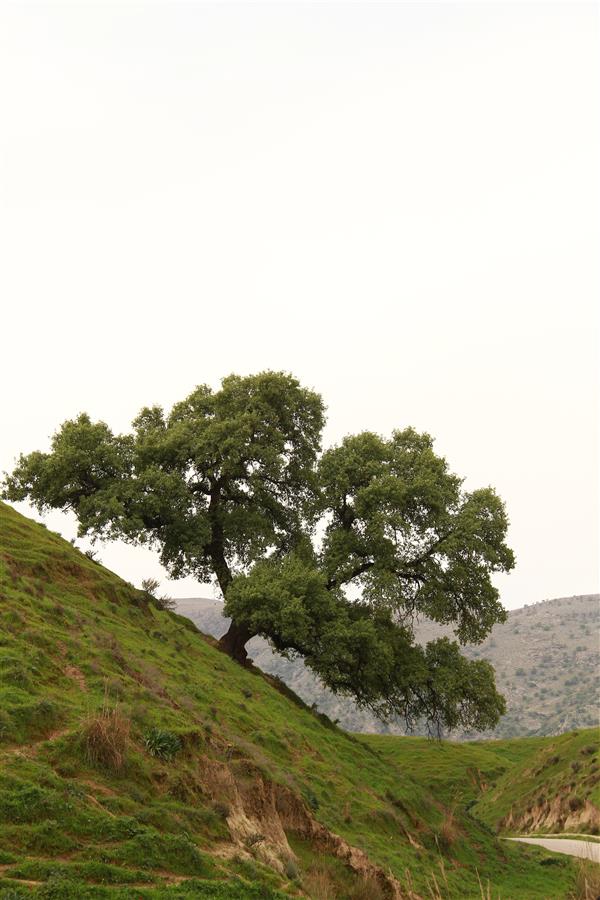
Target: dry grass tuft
[367, 888]
[448, 832]
[319, 884]
[587, 882]
[105, 738]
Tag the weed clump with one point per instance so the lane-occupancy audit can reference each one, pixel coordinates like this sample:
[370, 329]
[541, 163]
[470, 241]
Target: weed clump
[447, 834]
[319, 883]
[150, 587]
[6, 725]
[223, 810]
[587, 882]
[368, 888]
[162, 744]
[105, 738]
[291, 869]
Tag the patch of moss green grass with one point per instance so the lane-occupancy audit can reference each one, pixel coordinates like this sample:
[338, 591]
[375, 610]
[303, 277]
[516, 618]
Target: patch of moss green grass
[75, 640]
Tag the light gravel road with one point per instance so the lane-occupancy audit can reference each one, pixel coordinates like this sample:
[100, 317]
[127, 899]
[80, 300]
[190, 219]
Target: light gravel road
[585, 849]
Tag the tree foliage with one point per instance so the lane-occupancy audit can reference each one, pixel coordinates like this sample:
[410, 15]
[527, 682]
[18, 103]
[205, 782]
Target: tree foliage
[329, 555]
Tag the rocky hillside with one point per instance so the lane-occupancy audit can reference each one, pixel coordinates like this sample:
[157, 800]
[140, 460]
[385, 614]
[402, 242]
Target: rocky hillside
[546, 659]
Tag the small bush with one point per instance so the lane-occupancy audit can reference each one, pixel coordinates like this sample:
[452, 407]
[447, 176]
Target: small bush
[291, 869]
[254, 838]
[575, 803]
[312, 799]
[6, 726]
[162, 744]
[105, 738]
[46, 709]
[93, 555]
[368, 888]
[223, 810]
[150, 587]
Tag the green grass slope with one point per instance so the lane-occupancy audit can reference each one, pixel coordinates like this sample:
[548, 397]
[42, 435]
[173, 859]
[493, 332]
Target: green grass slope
[549, 785]
[137, 761]
[529, 785]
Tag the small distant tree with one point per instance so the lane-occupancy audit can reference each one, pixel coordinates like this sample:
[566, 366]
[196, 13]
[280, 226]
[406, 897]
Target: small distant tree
[151, 586]
[331, 556]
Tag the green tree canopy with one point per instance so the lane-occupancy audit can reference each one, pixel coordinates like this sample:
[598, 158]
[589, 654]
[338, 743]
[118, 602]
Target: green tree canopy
[330, 555]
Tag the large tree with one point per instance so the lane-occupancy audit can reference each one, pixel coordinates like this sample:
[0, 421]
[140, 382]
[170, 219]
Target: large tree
[330, 555]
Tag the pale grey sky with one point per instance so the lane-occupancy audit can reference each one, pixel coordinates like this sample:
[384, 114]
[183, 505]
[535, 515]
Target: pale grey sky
[397, 202]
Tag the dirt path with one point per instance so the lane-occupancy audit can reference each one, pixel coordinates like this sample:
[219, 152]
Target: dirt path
[585, 849]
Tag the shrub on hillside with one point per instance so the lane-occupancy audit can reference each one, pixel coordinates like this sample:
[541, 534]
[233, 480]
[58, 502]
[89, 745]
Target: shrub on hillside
[105, 738]
[162, 744]
[93, 555]
[150, 586]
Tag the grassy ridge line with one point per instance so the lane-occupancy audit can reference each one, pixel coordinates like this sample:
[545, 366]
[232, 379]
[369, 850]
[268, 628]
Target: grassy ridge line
[72, 636]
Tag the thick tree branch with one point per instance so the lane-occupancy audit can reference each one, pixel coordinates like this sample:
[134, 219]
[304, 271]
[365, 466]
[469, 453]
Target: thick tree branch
[359, 570]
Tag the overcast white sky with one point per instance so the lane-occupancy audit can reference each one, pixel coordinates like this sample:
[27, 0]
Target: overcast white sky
[397, 202]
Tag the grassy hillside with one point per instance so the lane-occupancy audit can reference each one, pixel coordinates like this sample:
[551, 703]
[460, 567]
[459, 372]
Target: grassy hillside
[531, 785]
[137, 761]
[545, 656]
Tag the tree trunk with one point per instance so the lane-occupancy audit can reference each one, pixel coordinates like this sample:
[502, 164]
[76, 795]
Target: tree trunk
[234, 642]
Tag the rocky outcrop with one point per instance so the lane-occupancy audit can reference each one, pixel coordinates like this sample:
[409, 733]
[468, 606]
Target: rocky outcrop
[555, 815]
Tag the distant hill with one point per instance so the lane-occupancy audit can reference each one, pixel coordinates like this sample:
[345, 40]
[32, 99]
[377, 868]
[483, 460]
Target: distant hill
[545, 656]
